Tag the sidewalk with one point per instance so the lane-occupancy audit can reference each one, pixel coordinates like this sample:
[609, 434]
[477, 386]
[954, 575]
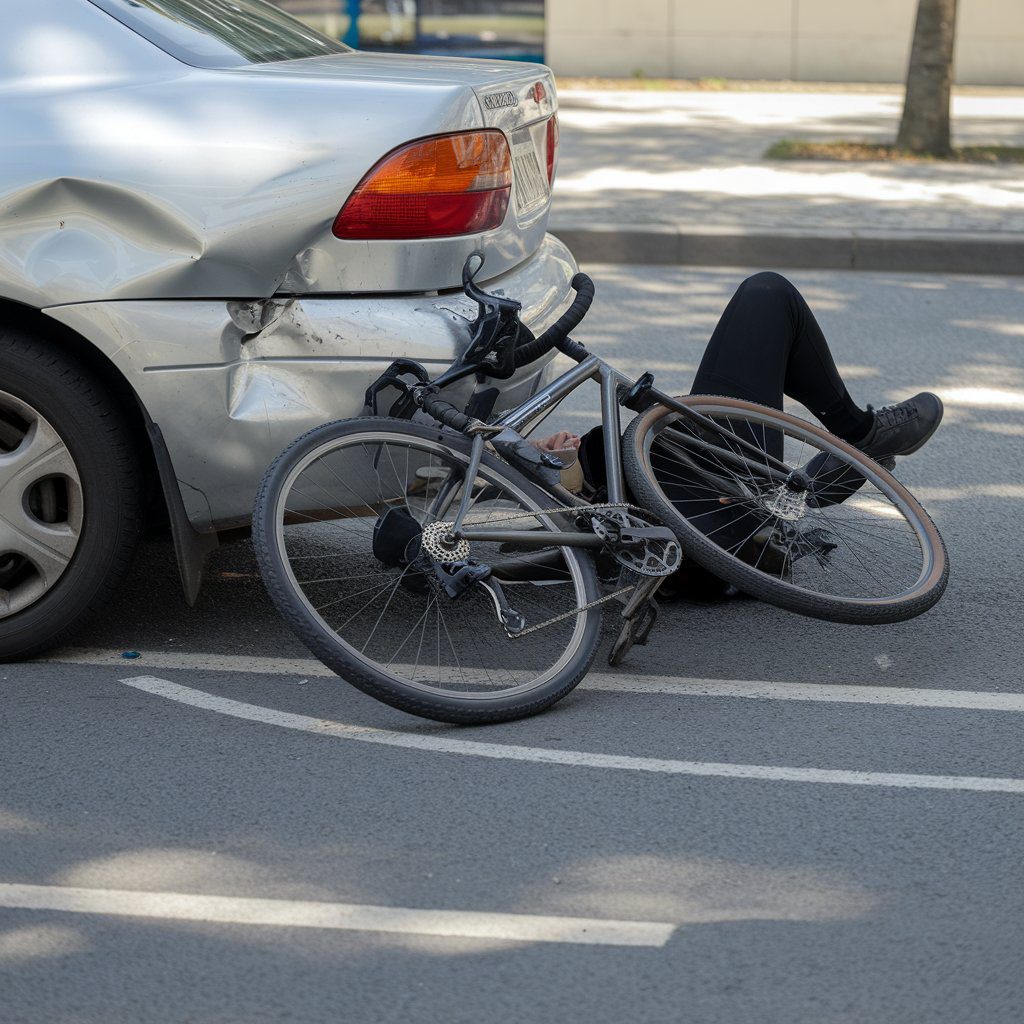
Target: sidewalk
[679, 177]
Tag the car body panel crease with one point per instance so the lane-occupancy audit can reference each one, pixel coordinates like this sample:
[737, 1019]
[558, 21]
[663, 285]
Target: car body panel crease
[226, 413]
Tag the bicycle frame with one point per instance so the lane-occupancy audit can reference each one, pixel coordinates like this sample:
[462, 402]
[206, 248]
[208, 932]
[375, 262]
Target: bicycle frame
[593, 368]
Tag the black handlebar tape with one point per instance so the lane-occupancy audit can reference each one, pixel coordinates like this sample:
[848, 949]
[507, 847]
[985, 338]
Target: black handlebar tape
[532, 351]
[558, 331]
[572, 317]
[573, 349]
[446, 413]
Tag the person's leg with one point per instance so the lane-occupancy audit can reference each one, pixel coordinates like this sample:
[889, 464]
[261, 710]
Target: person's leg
[768, 344]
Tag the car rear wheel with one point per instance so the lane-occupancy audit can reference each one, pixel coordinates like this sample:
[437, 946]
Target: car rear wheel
[70, 496]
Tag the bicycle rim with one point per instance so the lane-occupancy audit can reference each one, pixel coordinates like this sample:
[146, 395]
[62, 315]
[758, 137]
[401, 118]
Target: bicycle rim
[853, 546]
[377, 611]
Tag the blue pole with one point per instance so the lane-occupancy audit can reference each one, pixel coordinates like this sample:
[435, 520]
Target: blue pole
[352, 35]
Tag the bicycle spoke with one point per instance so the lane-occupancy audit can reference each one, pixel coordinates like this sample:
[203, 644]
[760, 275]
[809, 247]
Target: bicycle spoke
[398, 617]
[844, 538]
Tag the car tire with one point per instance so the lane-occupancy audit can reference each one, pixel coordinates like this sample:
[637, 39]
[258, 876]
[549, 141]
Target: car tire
[71, 505]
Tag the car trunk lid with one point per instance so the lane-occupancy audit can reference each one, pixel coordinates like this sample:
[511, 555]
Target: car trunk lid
[515, 97]
[368, 105]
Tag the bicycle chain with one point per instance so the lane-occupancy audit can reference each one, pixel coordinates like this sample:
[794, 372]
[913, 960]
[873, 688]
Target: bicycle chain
[557, 511]
[575, 611]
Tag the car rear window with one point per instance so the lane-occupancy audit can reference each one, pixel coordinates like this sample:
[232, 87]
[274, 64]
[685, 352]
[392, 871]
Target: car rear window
[221, 33]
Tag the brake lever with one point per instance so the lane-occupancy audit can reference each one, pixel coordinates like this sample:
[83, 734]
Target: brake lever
[392, 378]
[483, 299]
[496, 329]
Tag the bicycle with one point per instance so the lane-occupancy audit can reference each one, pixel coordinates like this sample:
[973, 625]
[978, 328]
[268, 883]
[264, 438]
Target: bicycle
[433, 558]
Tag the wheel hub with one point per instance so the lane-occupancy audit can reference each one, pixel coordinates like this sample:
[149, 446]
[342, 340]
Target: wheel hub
[41, 507]
[786, 504]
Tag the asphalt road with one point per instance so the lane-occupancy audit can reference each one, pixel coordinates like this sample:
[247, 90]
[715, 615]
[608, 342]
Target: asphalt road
[537, 878]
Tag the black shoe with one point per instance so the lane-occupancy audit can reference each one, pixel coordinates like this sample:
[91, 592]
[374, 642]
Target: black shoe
[899, 429]
[774, 549]
[902, 428]
[799, 541]
[766, 551]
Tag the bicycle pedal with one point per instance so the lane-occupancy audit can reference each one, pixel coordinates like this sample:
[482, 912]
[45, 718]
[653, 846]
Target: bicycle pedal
[643, 622]
[635, 630]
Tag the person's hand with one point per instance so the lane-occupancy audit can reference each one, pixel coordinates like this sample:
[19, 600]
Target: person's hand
[559, 442]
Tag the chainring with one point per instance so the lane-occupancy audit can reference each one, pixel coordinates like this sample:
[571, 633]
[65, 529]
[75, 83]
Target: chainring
[653, 556]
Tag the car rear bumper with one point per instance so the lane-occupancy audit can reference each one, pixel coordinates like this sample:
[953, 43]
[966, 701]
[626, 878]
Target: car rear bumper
[230, 384]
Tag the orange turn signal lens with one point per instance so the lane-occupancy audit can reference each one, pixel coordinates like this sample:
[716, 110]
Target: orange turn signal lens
[447, 185]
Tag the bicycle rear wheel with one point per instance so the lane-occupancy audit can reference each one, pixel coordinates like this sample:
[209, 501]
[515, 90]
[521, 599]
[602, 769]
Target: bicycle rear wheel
[339, 535]
[844, 541]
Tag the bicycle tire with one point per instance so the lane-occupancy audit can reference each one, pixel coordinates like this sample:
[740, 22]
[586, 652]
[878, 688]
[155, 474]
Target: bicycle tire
[636, 449]
[391, 688]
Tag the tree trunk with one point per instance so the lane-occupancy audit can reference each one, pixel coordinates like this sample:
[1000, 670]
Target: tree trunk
[924, 127]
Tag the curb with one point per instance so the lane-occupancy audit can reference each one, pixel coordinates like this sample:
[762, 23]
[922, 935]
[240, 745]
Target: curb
[806, 249]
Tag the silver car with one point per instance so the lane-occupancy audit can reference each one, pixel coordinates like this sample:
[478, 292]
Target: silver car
[217, 227]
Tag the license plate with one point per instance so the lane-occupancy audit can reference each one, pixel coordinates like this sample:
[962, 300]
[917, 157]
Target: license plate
[531, 182]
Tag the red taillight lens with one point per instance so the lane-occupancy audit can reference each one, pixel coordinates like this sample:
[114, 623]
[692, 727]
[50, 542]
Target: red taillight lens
[552, 147]
[448, 185]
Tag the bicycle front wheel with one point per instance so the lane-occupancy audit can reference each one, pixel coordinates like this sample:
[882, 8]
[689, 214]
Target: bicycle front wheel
[347, 538]
[795, 516]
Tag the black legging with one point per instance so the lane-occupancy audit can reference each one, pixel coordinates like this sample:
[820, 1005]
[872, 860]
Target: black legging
[767, 344]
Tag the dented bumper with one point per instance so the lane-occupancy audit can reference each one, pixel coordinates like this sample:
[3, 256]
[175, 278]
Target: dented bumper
[231, 383]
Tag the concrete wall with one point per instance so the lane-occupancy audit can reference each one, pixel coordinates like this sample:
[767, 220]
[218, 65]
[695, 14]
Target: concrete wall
[809, 40]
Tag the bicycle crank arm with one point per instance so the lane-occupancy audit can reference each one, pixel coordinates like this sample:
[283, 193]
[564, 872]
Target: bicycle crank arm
[639, 616]
[643, 534]
[642, 592]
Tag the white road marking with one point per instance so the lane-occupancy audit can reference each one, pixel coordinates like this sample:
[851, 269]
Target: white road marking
[572, 758]
[177, 906]
[195, 662]
[832, 693]
[675, 686]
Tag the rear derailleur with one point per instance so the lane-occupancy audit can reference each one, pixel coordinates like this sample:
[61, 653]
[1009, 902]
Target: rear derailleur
[455, 578]
[430, 559]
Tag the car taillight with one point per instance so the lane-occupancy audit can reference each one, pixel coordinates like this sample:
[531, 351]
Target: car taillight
[552, 147]
[447, 185]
